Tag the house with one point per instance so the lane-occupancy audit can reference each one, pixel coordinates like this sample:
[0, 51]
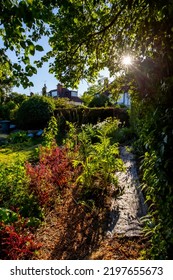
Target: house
[124, 99]
[61, 92]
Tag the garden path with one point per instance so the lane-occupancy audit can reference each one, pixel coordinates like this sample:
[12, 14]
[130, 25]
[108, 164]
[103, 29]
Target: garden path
[127, 210]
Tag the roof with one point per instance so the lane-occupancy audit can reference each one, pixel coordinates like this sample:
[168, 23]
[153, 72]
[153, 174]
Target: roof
[76, 99]
[67, 94]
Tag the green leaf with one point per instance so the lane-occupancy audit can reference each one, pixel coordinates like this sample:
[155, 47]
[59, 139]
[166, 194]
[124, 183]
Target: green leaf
[76, 20]
[23, 44]
[39, 48]
[32, 49]
[30, 1]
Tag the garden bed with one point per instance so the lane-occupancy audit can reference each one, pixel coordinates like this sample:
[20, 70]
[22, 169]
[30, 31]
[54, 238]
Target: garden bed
[71, 191]
[73, 232]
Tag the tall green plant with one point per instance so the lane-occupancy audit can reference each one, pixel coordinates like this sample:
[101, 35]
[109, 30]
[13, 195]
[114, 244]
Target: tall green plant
[108, 160]
[99, 161]
[71, 139]
[50, 132]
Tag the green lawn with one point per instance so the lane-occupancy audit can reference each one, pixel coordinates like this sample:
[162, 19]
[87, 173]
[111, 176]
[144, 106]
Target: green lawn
[24, 151]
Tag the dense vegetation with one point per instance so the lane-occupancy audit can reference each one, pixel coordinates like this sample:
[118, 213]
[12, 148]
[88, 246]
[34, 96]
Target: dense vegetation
[87, 161]
[93, 35]
[153, 124]
[35, 112]
[81, 115]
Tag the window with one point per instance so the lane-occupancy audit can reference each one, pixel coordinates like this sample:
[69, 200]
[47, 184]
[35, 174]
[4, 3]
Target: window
[54, 93]
[73, 93]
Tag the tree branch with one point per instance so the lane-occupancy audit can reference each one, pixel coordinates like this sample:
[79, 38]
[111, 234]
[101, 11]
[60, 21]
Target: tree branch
[99, 32]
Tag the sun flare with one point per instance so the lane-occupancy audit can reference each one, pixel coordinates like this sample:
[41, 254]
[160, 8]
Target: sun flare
[127, 60]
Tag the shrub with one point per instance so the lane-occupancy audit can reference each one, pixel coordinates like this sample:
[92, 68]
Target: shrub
[97, 160]
[7, 216]
[152, 118]
[100, 164]
[109, 126]
[9, 110]
[16, 241]
[63, 103]
[18, 137]
[123, 135]
[35, 112]
[14, 190]
[99, 101]
[51, 174]
[18, 98]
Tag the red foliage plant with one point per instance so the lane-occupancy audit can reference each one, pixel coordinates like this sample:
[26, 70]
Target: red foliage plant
[52, 173]
[16, 243]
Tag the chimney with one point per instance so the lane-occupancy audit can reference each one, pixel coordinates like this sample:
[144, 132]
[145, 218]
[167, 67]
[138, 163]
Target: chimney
[59, 89]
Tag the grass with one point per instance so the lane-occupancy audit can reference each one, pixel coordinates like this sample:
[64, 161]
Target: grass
[24, 151]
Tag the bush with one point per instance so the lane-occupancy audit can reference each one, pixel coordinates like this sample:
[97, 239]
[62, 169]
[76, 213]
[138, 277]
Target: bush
[19, 213]
[62, 103]
[52, 173]
[50, 132]
[99, 101]
[9, 110]
[18, 137]
[18, 98]
[17, 243]
[14, 191]
[124, 135]
[97, 160]
[8, 216]
[152, 118]
[35, 112]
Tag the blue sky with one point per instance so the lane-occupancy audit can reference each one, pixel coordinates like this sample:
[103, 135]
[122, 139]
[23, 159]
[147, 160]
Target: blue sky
[43, 76]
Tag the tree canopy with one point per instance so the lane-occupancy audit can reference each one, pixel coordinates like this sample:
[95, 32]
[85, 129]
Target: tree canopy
[85, 35]
[22, 24]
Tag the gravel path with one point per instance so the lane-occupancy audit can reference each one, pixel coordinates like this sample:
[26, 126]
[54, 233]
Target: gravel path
[127, 210]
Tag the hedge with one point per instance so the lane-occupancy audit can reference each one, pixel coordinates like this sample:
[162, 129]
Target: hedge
[90, 115]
